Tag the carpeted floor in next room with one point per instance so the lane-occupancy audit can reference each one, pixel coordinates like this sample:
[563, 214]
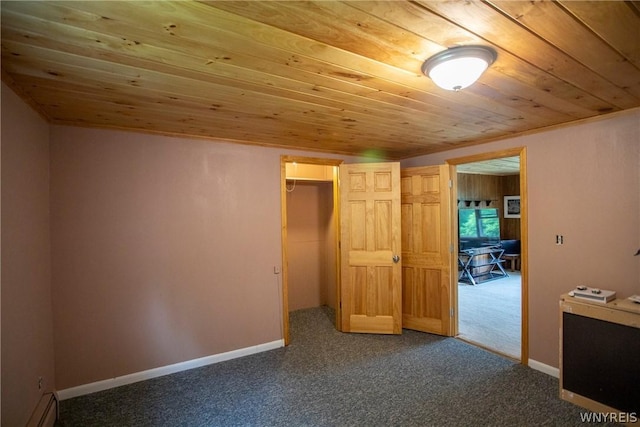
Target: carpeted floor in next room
[329, 378]
[489, 314]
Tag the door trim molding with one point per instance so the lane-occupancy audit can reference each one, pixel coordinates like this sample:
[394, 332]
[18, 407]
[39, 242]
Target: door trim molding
[524, 238]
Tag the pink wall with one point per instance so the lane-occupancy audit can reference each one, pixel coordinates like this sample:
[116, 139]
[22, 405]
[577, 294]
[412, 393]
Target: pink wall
[583, 183]
[163, 250]
[27, 331]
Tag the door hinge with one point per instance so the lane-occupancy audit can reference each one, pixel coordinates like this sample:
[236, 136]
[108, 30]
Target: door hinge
[450, 248]
[451, 312]
[450, 183]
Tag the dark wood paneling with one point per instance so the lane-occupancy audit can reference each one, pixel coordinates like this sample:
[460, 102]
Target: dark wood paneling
[476, 189]
[510, 226]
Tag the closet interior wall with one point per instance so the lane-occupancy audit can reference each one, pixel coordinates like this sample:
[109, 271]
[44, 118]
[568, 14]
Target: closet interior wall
[312, 253]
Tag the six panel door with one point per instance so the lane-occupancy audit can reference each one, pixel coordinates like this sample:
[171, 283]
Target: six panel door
[370, 248]
[426, 250]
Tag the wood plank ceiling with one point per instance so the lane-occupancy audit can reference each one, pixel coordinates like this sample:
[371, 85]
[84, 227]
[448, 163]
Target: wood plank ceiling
[500, 167]
[339, 77]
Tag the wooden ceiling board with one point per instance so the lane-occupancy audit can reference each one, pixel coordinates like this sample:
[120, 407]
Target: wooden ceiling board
[557, 72]
[102, 38]
[339, 77]
[282, 21]
[513, 70]
[500, 167]
[543, 19]
[613, 22]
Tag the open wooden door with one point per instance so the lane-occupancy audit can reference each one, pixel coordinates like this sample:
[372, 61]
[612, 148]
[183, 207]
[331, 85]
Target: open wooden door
[370, 248]
[426, 250]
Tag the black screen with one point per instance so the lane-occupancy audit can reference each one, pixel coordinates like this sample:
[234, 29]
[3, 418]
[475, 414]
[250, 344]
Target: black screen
[601, 361]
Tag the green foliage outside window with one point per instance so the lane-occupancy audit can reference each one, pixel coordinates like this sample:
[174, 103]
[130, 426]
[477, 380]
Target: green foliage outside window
[479, 223]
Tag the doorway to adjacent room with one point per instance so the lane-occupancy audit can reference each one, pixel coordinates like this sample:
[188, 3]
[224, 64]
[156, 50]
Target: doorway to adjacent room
[492, 304]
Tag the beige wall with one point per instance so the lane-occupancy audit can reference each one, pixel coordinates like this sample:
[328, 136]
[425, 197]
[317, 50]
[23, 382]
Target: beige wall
[163, 251]
[27, 331]
[583, 183]
[311, 245]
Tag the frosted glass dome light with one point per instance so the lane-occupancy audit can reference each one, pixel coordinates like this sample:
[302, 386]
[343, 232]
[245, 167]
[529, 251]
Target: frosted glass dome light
[458, 67]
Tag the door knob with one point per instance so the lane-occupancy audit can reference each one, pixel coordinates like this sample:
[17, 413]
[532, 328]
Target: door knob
[396, 258]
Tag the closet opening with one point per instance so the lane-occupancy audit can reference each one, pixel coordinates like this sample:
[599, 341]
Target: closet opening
[310, 230]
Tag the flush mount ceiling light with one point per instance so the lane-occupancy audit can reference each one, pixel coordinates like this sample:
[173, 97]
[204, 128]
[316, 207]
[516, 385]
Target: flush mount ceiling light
[458, 67]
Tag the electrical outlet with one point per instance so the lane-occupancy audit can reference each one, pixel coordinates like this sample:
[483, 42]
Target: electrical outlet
[559, 239]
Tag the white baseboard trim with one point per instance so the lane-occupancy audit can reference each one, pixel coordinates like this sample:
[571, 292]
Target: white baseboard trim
[546, 369]
[165, 370]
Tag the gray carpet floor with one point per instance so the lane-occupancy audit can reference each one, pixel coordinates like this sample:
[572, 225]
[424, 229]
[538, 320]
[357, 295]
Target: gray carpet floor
[490, 314]
[328, 378]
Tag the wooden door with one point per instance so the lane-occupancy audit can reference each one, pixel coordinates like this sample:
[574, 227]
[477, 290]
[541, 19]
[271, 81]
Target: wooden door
[427, 250]
[370, 239]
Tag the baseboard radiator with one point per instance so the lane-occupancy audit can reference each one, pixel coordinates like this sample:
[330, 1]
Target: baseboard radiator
[46, 412]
